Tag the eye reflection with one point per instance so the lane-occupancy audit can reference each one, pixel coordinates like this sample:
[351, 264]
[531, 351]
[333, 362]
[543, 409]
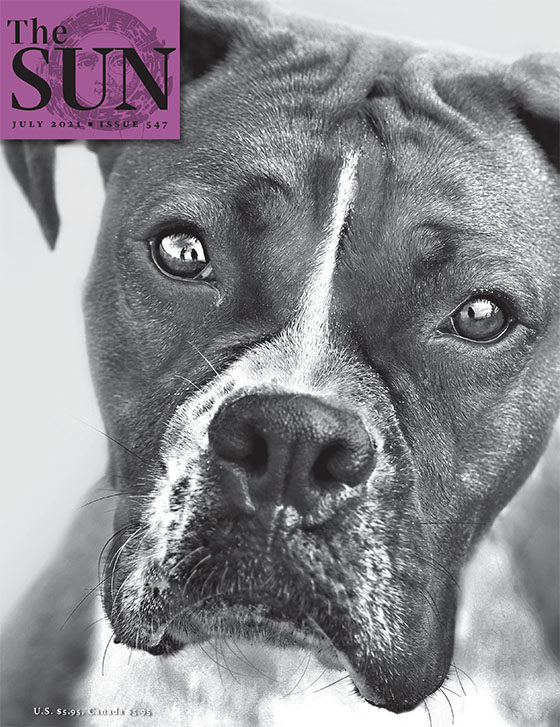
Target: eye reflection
[181, 255]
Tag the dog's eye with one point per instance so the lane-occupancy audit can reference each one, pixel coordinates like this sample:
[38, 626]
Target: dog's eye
[479, 319]
[181, 255]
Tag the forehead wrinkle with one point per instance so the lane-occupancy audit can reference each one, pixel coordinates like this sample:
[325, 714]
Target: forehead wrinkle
[175, 203]
[434, 246]
[473, 263]
[267, 183]
[260, 197]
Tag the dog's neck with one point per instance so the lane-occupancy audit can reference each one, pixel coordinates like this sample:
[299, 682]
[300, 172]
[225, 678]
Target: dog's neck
[234, 683]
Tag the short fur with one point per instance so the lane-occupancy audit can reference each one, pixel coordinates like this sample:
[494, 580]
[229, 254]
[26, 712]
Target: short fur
[439, 171]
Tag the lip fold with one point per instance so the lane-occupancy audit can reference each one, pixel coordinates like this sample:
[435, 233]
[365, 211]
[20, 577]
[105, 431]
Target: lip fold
[165, 630]
[395, 682]
[295, 592]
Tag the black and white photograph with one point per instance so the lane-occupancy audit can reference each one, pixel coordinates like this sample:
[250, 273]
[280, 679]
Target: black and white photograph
[281, 396]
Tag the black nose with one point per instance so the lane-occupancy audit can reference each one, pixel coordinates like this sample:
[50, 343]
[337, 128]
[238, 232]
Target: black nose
[288, 448]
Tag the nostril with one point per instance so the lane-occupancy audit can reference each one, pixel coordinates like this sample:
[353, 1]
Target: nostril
[242, 445]
[345, 462]
[324, 469]
[256, 461]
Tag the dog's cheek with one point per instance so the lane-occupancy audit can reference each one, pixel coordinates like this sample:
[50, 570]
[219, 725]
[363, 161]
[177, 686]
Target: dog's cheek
[137, 350]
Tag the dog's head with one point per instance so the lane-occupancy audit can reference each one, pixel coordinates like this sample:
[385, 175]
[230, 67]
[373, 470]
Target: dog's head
[324, 330]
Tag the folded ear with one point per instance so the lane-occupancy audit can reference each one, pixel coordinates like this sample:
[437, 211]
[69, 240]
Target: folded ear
[209, 28]
[32, 164]
[534, 83]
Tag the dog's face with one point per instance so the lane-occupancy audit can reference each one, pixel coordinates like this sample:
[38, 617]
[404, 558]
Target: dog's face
[324, 329]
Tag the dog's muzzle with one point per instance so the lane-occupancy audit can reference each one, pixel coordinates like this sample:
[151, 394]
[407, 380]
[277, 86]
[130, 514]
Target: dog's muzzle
[295, 527]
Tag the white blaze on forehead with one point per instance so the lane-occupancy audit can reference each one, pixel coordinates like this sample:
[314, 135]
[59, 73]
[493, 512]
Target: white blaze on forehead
[314, 307]
[289, 363]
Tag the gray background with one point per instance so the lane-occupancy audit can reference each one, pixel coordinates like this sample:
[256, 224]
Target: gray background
[51, 451]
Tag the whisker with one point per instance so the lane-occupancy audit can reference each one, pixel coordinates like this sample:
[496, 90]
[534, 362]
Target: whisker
[296, 685]
[115, 600]
[450, 705]
[184, 378]
[202, 356]
[99, 499]
[467, 676]
[328, 686]
[114, 561]
[112, 439]
[106, 545]
[213, 571]
[451, 691]
[114, 494]
[81, 601]
[194, 571]
[189, 555]
[105, 654]
[244, 658]
[226, 664]
[458, 678]
[94, 623]
[425, 705]
[302, 691]
[220, 665]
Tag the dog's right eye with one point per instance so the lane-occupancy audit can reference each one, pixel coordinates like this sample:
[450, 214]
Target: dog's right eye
[181, 255]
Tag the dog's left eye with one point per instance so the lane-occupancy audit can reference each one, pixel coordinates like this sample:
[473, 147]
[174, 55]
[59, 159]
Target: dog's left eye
[181, 255]
[480, 319]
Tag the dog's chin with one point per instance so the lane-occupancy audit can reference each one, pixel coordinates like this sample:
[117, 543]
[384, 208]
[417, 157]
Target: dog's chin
[300, 592]
[256, 624]
[259, 627]
[255, 621]
[261, 624]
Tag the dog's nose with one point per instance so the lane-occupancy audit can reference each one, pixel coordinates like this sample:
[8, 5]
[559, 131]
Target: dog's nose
[288, 448]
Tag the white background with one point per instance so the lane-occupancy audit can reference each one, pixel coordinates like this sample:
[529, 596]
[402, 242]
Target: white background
[50, 452]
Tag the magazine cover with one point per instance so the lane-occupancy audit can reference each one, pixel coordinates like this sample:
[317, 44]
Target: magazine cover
[280, 364]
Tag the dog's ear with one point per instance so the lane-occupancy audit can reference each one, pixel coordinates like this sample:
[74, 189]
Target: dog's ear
[210, 27]
[32, 164]
[534, 85]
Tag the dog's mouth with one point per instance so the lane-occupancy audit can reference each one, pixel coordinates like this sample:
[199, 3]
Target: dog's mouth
[162, 618]
[257, 621]
[308, 594]
[245, 597]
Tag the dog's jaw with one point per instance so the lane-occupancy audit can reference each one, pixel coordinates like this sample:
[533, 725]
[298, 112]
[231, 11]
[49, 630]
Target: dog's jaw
[233, 682]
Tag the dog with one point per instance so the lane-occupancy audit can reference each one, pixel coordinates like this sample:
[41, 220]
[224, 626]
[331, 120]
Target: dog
[323, 328]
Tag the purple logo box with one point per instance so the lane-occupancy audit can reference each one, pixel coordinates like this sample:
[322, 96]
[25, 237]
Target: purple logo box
[79, 69]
